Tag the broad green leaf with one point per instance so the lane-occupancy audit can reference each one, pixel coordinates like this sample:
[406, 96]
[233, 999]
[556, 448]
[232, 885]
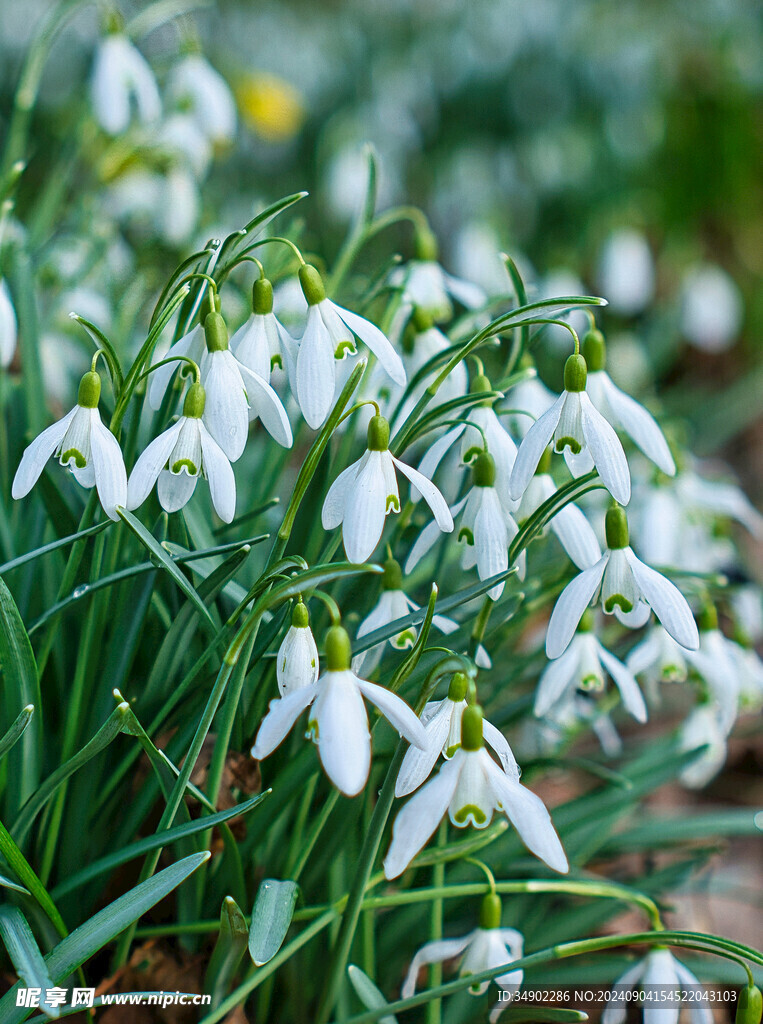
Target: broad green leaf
[271, 917]
[229, 949]
[25, 954]
[368, 993]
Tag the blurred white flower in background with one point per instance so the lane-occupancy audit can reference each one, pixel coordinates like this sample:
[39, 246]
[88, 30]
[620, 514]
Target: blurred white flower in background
[626, 272]
[122, 83]
[711, 308]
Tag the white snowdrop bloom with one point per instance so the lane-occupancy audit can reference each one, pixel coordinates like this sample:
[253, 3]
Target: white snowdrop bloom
[577, 711]
[583, 665]
[427, 285]
[178, 209]
[297, 658]
[659, 968]
[487, 529]
[338, 722]
[749, 669]
[442, 721]
[329, 337]
[393, 604]
[483, 949]
[572, 529]
[659, 659]
[180, 135]
[80, 441]
[575, 424]
[236, 395]
[626, 272]
[178, 457]
[620, 409]
[470, 787]
[747, 604]
[8, 326]
[626, 588]
[199, 89]
[476, 257]
[711, 308]
[703, 728]
[715, 662]
[122, 79]
[262, 343]
[364, 494]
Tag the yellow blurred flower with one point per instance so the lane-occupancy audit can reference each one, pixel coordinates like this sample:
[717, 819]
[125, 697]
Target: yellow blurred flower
[271, 106]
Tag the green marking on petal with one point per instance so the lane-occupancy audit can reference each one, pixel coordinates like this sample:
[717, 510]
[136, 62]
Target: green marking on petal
[450, 751]
[75, 456]
[344, 349]
[393, 504]
[463, 813]
[471, 453]
[592, 682]
[466, 534]
[312, 730]
[404, 640]
[567, 442]
[186, 464]
[673, 674]
[276, 361]
[618, 599]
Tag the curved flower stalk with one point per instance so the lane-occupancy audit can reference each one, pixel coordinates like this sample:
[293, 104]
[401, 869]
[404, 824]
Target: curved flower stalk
[658, 968]
[81, 442]
[8, 326]
[580, 431]
[620, 409]
[297, 658]
[570, 526]
[364, 494]
[486, 947]
[122, 78]
[338, 722]
[487, 528]
[330, 336]
[442, 721]
[202, 91]
[262, 343]
[471, 787]
[178, 457]
[627, 588]
[393, 604]
[583, 666]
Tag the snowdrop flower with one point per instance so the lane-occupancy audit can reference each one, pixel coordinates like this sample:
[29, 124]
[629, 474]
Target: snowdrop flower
[177, 458]
[470, 787]
[8, 326]
[622, 410]
[195, 85]
[236, 395]
[297, 658]
[328, 337]
[572, 529]
[626, 272]
[366, 492]
[574, 423]
[658, 968]
[81, 442]
[442, 721]
[659, 659]
[338, 722]
[181, 137]
[393, 604]
[711, 308]
[483, 949]
[427, 285]
[262, 343]
[703, 728]
[487, 529]
[715, 662]
[121, 77]
[626, 587]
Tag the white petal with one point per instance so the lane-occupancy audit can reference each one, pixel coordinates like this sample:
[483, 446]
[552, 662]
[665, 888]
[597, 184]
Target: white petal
[576, 536]
[251, 347]
[335, 502]
[435, 455]
[152, 461]
[606, 451]
[427, 539]
[365, 510]
[226, 412]
[636, 618]
[8, 326]
[432, 953]
[491, 540]
[699, 1012]
[396, 711]
[625, 682]
[266, 404]
[430, 493]
[660, 971]
[495, 738]
[569, 608]
[343, 739]
[297, 660]
[536, 440]
[418, 762]
[416, 822]
[109, 466]
[282, 714]
[555, 679]
[315, 370]
[159, 379]
[174, 490]
[376, 341]
[641, 426]
[219, 473]
[615, 1011]
[667, 601]
[528, 815]
[37, 454]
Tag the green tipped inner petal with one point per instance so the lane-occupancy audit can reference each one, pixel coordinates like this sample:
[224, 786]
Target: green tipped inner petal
[276, 361]
[184, 464]
[618, 600]
[567, 442]
[463, 813]
[405, 639]
[393, 503]
[466, 534]
[344, 349]
[75, 456]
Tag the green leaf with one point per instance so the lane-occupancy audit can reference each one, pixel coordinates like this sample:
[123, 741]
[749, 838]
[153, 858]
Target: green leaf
[271, 917]
[25, 954]
[8, 883]
[230, 947]
[18, 862]
[16, 730]
[368, 993]
[460, 848]
[109, 353]
[60, 543]
[160, 555]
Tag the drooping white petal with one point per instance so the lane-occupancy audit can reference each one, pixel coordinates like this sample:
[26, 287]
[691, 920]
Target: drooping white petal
[576, 536]
[315, 370]
[615, 1011]
[469, 295]
[335, 502]
[555, 679]
[195, 82]
[226, 411]
[569, 608]
[495, 738]
[491, 540]
[416, 822]
[191, 345]
[636, 618]
[365, 510]
[175, 490]
[396, 711]
[640, 425]
[109, 467]
[8, 326]
[427, 539]
[528, 815]
[418, 762]
[660, 972]
[297, 660]
[435, 455]
[282, 714]
[606, 451]
[699, 1011]
[151, 462]
[667, 601]
[625, 682]
[265, 403]
[379, 344]
[37, 454]
[341, 732]
[430, 494]
[535, 442]
[219, 473]
[432, 953]
[251, 346]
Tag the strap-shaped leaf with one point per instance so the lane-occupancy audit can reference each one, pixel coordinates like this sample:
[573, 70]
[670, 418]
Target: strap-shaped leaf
[25, 954]
[16, 731]
[368, 993]
[271, 917]
[229, 948]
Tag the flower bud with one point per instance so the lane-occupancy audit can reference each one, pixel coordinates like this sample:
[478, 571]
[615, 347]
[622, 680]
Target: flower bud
[262, 296]
[216, 333]
[338, 649]
[490, 911]
[471, 728]
[575, 373]
[483, 471]
[300, 617]
[312, 284]
[378, 434]
[393, 575]
[459, 684]
[616, 527]
[195, 400]
[595, 350]
[421, 320]
[89, 390]
[749, 1006]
